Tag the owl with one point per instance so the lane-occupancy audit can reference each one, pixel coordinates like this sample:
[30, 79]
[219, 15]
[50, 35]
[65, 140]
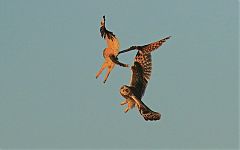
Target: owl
[110, 52]
[141, 73]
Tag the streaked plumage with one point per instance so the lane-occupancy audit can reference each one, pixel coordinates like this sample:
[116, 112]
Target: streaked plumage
[141, 73]
[110, 52]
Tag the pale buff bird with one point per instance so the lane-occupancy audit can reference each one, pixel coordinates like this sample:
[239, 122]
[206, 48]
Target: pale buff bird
[110, 52]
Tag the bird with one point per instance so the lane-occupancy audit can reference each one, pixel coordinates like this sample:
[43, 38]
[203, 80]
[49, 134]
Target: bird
[141, 73]
[110, 52]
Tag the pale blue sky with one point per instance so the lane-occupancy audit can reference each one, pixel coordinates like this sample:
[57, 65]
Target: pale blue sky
[50, 51]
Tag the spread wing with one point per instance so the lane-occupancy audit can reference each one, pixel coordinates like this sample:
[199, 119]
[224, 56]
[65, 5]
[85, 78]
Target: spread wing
[141, 72]
[110, 38]
[152, 46]
[148, 48]
[146, 112]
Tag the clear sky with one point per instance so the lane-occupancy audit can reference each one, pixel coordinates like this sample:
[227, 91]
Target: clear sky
[50, 51]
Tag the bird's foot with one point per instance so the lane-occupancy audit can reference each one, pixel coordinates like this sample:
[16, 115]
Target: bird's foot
[97, 75]
[126, 110]
[123, 103]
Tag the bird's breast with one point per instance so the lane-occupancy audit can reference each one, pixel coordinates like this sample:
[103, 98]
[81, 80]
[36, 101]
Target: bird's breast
[113, 44]
[108, 52]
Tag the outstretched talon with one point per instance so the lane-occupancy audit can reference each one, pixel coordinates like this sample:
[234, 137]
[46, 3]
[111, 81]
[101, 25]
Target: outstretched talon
[123, 103]
[126, 110]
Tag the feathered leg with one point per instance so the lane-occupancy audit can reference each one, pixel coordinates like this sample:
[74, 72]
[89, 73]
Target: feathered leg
[110, 67]
[101, 69]
[124, 102]
[130, 102]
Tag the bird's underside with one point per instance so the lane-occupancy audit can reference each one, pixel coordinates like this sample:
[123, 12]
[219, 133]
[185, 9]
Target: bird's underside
[110, 52]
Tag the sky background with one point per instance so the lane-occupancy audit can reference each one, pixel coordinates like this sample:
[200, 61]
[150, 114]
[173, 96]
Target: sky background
[51, 50]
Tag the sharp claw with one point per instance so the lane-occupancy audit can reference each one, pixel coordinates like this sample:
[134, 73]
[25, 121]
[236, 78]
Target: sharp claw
[123, 103]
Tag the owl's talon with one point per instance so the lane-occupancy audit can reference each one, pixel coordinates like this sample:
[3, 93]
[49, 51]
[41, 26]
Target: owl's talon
[123, 103]
[126, 110]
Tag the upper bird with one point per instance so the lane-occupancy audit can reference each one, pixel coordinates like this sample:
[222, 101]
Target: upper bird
[110, 53]
[141, 72]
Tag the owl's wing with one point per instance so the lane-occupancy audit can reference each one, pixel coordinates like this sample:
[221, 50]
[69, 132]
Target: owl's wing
[110, 38]
[148, 48]
[141, 72]
[146, 112]
[152, 46]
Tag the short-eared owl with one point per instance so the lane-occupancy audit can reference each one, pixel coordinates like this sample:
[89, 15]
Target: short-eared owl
[141, 72]
[110, 52]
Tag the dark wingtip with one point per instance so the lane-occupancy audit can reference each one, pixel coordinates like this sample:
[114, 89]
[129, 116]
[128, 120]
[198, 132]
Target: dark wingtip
[104, 17]
[168, 37]
[154, 116]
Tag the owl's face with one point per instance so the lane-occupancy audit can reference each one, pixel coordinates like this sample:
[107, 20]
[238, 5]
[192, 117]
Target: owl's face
[125, 91]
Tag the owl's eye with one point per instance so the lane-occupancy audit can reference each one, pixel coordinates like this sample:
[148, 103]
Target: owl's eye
[127, 90]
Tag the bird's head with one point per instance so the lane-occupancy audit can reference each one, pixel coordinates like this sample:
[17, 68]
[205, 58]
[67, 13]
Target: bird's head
[125, 91]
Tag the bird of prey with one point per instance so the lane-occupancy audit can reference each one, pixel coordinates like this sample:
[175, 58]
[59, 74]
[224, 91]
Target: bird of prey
[110, 52]
[141, 72]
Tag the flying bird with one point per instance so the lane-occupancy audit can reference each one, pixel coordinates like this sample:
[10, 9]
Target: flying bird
[110, 52]
[141, 73]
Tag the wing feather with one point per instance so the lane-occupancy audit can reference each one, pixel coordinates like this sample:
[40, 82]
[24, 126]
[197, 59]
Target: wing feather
[110, 38]
[148, 48]
[145, 111]
[141, 73]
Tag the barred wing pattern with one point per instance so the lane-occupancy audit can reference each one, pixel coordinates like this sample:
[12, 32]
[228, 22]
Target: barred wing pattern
[141, 73]
[152, 46]
[148, 48]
